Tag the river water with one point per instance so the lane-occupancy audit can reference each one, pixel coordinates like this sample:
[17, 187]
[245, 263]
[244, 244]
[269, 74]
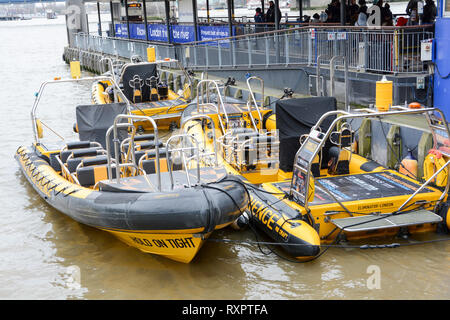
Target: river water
[40, 247]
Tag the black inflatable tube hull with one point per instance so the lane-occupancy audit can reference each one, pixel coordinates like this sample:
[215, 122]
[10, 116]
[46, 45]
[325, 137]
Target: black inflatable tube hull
[294, 235]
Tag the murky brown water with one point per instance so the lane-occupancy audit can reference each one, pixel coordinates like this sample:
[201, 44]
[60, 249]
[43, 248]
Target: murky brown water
[38, 244]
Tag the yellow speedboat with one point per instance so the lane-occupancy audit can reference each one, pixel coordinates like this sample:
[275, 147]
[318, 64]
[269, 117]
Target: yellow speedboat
[146, 93]
[309, 187]
[153, 196]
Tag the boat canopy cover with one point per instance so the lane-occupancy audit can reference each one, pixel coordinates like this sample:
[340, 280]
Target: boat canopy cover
[296, 117]
[94, 120]
[144, 71]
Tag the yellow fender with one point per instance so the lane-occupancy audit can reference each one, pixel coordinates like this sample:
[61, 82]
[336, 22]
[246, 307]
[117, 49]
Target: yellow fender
[433, 162]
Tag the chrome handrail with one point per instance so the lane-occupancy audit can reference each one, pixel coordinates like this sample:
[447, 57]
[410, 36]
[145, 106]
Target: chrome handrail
[182, 149]
[114, 128]
[44, 85]
[203, 116]
[254, 99]
[220, 103]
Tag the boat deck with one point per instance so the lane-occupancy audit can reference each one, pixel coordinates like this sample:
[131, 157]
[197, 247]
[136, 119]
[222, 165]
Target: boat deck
[141, 184]
[371, 194]
[364, 186]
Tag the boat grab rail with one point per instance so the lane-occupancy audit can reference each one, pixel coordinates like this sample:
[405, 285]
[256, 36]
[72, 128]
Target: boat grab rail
[215, 107]
[220, 104]
[206, 117]
[114, 129]
[424, 185]
[51, 82]
[252, 96]
[182, 151]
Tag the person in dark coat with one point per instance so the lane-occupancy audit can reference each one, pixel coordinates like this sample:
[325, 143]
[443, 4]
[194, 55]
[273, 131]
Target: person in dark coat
[352, 12]
[429, 12]
[270, 14]
[411, 11]
[334, 11]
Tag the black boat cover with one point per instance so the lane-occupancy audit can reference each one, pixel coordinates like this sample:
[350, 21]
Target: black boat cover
[94, 120]
[296, 117]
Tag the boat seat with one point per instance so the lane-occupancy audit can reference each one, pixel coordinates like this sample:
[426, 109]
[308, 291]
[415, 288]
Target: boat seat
[150, 152]
[148, 164]
[241, 130]
[141, 137]
[141, 146]
[339, 162]
[101, 159]
[81, 145]
[67, 150]
[147, 145]
[78, 155]
[88, 176]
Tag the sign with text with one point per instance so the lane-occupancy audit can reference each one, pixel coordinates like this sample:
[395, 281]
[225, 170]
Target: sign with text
[157, 32]
[182, 33]
[178, 33]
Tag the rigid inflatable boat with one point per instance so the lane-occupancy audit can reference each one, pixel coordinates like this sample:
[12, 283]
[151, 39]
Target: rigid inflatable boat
[152, 195]
[311, 185]
[146, 93]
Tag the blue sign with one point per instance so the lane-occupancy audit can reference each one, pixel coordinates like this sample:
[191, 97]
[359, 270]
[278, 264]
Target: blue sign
[179, 33]
[137, 31]
[121, 30]
[182, 34]
[215, 32]
[157, 32]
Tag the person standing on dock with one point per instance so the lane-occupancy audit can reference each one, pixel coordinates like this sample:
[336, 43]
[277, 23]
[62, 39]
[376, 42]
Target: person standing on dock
[352, 12]
[270, 15]
[429, 12]
[411, 10]
[259, 19]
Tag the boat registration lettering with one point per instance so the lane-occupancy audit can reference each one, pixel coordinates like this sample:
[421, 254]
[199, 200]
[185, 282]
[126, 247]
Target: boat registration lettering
[177, 243]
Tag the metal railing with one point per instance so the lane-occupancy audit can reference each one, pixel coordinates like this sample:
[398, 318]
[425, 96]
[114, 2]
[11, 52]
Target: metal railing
[391, 50]
[121, 47]
[384, 49]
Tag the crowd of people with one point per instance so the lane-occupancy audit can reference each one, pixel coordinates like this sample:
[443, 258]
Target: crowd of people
[357, 14]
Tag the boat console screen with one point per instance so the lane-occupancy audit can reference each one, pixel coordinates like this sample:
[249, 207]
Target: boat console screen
[307, 153]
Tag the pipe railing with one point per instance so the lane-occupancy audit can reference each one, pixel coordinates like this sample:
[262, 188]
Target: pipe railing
[384, 49]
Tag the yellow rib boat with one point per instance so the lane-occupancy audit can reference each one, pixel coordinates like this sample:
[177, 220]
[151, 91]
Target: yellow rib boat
[154, 196]
[309, 186]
